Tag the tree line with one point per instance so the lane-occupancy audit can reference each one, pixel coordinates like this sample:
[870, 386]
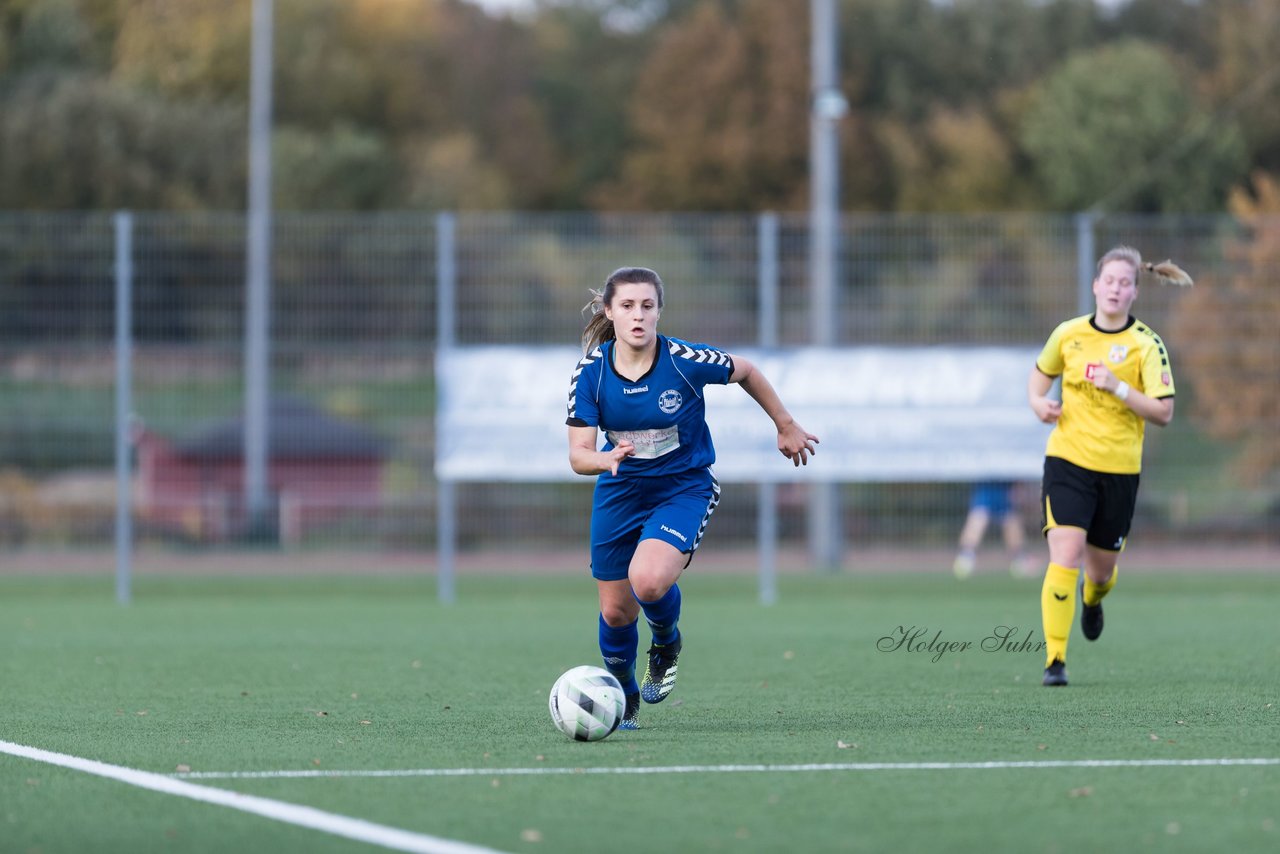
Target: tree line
[680, 105]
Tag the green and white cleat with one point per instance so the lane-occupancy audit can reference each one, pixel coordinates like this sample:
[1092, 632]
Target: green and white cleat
[631, 717]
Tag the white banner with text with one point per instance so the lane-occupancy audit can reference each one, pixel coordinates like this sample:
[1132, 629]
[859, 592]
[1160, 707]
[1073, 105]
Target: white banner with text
[882, 414]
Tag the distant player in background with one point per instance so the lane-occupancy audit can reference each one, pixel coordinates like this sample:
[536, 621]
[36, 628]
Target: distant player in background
[1115, 378]
[655, 491]
[993, 499]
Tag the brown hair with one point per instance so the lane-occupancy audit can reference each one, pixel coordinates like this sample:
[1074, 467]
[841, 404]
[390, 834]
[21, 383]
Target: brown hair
[599, 328]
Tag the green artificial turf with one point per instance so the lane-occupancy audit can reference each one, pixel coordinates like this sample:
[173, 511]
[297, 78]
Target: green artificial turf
[337, 675]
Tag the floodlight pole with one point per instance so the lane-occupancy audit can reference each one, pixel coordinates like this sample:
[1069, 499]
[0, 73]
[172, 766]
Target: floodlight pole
[258, 273]
[827, 107]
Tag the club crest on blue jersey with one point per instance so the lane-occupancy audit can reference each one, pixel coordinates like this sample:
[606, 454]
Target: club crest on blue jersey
[673, 437]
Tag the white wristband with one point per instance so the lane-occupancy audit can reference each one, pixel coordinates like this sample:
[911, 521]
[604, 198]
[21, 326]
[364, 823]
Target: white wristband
[1122, 391]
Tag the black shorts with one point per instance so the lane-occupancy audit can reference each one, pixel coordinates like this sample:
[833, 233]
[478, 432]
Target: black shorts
[1100, 503]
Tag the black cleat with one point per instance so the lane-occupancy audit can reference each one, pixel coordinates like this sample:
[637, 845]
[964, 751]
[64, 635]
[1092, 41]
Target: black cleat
[631, 717]
[1091, 621]
[660, 673]
[1055, 673]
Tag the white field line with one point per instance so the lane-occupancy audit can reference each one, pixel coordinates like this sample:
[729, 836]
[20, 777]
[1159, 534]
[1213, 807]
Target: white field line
[730, 769]
[332, 823]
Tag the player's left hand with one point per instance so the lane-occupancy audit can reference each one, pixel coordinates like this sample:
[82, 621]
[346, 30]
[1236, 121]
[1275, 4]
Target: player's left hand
[796, 444]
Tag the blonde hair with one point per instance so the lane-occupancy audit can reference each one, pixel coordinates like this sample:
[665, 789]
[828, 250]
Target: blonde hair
[1166, 272]
[599, 327]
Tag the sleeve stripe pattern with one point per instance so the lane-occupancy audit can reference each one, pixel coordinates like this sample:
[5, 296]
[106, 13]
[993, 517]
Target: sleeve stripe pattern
[573, 382]
[715, 357]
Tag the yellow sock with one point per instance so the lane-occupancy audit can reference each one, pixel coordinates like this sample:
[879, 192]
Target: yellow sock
[1058, 610]
[1093, 593]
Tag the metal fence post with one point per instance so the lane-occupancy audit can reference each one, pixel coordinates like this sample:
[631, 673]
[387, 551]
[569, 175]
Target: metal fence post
[767, 512]
[1086, 257]
[446, 319]
[123, 222]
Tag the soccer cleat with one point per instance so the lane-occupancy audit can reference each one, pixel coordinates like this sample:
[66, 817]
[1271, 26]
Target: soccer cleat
[631, 718]
[660, 672]
[1056, 673]
[963, 567]
[1091, 621]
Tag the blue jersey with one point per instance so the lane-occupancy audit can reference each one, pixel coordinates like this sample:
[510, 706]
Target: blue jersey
[662, 413]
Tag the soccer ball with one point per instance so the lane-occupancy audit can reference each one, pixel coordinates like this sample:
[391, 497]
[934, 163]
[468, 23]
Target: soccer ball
[587, 703]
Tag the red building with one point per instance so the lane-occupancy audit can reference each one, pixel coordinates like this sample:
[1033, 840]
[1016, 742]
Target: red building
[320, 470]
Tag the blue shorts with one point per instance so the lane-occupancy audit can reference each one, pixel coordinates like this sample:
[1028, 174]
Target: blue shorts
[626, 510]
[992, 496]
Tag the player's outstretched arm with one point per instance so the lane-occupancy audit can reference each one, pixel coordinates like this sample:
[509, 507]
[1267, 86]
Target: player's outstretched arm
[794, 442]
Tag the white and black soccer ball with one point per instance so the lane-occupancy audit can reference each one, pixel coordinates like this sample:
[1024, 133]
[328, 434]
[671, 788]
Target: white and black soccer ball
[587, 703]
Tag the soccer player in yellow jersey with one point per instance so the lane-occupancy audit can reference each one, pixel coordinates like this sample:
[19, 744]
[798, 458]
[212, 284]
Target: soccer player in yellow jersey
[1115, 378]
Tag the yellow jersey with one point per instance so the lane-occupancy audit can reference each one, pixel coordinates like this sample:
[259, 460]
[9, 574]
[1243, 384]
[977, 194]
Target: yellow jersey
[1097, 430]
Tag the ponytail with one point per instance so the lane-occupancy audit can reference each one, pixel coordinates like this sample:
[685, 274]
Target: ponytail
[1169, 273]
[599, 327]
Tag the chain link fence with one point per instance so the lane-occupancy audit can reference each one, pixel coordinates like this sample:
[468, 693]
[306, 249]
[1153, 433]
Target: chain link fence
[353, 333]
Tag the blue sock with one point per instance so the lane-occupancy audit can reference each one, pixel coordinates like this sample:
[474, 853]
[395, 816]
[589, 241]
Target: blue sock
[618, 648]
[663, 615]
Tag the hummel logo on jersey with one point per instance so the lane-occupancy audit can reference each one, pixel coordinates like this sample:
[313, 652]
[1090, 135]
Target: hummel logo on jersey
[636, 390]
[1061, 597]
[682, 537]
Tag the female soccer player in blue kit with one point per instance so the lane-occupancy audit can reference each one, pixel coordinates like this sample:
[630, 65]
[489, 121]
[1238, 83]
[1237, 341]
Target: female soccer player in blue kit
[655, 492]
